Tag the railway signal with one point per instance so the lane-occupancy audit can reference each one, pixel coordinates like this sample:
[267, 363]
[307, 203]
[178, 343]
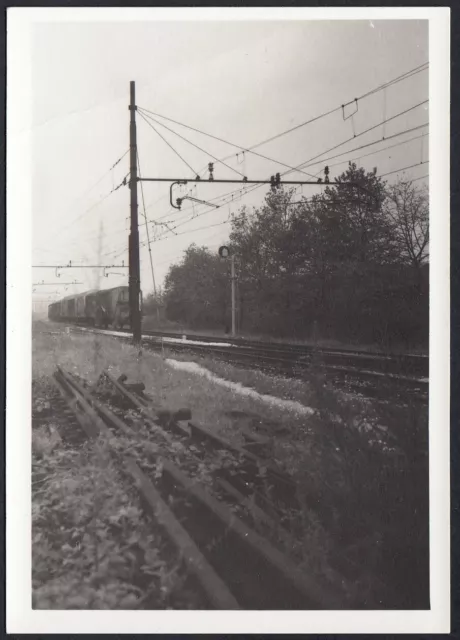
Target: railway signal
[275, 182]
[224, 252]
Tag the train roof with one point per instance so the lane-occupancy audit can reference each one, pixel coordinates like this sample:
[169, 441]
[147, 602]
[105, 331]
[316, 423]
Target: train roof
[79, 295]
[91, 292]
[124, 286]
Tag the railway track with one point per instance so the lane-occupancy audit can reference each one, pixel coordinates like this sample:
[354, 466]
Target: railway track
[227, 524]
[410, 363]
[364, 372]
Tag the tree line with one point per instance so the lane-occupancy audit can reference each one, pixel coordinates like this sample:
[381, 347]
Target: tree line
[350, 264]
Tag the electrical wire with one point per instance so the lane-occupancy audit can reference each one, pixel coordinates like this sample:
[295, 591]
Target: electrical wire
[348, 140]
[338, 155]
[190, 208]
[324, 160]
[369, 144]
[181, 223]
[58, 232]
[362, 133]
[210, 226]
[92, 207]
[221, 161]
[189, 142]
[389, 173]
[311, 163]
[249, 190]
[169, 145]
[399, 78]
[411, 166]
[396, 80]
[146, 226]
[373, 153]
[223, 203]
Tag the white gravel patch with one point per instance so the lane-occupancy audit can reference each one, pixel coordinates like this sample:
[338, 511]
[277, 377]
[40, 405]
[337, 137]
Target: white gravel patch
[187, 341]
[237, 387]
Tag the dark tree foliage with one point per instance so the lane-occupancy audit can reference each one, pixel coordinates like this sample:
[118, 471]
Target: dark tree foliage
[197, 290]
[349, 264]
[153, 306]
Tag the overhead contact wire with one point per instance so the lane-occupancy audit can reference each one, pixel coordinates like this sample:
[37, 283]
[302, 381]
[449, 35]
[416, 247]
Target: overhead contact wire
[399, 78]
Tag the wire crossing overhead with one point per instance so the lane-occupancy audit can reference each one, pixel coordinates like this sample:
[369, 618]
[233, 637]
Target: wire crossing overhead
[208, 153]
[144, 113]
[338, 155]
[249, 185]
[293, 169]
[361, 133]
[411, 166]
[169, 145]
[355, 101]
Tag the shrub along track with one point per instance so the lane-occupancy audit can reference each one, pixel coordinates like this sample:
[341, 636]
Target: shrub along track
[207, 515]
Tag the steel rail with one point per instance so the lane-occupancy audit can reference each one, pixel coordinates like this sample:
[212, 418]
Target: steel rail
[298, 590]
[214, 587]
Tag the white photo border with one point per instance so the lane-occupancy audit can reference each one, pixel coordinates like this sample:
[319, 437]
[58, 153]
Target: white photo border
[20, 616]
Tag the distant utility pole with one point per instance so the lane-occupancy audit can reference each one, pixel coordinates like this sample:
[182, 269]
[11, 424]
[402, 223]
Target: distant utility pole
[134, 267]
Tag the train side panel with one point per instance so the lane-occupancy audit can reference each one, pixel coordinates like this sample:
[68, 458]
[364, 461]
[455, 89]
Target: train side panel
[101, 308]
[80, 307]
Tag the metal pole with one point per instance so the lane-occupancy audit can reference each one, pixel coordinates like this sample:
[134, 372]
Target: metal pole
[134, 268]
[233, 297]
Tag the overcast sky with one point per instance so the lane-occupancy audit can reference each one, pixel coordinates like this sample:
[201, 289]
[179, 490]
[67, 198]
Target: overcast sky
[243, 82]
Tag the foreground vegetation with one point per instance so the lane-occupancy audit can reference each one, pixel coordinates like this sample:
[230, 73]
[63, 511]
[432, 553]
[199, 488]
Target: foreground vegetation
[362, 487]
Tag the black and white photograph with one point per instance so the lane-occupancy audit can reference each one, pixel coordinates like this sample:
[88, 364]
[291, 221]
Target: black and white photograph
[227, 378]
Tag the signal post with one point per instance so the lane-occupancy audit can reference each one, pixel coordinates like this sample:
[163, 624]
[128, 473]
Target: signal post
[225, 252]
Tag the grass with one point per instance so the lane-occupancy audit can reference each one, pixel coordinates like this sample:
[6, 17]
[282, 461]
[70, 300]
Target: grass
[92, 546]
[210, 404]
[365, 483]
[278, 386]
[359, 488]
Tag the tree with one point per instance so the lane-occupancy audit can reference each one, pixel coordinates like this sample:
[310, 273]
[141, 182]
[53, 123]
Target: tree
[265, 264]
[340, 261]
[153, 306]
[408, 209]
[197, 290]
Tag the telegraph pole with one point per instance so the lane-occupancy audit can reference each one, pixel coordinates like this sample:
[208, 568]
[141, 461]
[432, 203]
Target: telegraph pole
[134, 268]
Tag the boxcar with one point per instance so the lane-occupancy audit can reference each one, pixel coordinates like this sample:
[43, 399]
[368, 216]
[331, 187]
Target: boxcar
[54, 311]
[98, 307]
[109, 307]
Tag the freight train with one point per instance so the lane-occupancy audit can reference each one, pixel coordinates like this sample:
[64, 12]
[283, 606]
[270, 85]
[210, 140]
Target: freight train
[99, 308]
